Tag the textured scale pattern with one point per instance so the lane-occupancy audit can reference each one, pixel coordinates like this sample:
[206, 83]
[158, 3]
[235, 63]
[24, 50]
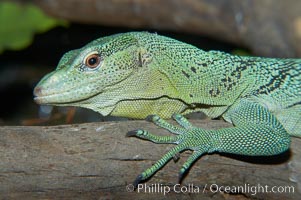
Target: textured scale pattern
[142, 74]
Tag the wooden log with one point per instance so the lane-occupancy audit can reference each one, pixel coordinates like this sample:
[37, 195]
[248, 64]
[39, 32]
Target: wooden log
[97, 161]
[269, 28]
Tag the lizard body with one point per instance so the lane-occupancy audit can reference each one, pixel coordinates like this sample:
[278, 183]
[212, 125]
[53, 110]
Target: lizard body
[138, 74]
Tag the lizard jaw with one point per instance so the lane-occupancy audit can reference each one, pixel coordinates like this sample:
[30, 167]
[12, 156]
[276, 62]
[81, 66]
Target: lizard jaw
[41, 97]
[37, 95]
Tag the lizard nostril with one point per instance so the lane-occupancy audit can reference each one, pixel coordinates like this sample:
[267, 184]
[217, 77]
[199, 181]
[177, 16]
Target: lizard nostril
[37, 91]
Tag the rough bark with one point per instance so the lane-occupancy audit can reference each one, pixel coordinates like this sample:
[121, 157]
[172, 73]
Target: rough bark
[97, 161]
[267, 27]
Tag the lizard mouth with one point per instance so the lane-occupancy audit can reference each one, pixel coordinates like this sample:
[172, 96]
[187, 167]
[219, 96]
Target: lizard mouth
[38, 97]
[59, 99]
[48, 92]
[42, 96]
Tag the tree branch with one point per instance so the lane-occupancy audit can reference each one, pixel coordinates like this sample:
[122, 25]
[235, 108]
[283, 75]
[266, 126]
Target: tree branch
[97, 161]
[269, 28]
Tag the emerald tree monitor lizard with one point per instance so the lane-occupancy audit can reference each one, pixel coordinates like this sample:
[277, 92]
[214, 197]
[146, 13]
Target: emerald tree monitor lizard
[138, 74]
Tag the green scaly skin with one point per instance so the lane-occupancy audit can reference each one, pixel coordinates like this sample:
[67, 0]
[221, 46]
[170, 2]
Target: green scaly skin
[141, 74]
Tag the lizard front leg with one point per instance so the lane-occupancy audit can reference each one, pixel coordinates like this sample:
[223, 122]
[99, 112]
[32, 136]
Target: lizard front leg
[256, 132]
[187, 137]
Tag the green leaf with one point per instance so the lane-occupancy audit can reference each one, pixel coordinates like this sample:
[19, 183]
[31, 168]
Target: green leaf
[19, 23]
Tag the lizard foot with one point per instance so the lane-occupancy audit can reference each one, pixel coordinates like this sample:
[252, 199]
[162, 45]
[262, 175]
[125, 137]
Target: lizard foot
[187, 137]
[182, 121]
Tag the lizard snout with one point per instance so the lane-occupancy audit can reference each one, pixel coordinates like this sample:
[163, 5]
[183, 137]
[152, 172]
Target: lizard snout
[37, 92]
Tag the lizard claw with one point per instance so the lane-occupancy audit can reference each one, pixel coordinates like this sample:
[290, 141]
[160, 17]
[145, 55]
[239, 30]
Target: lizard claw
[131, 133]
[182, 173]
[152, 118]
[176, 157]
[138, 180]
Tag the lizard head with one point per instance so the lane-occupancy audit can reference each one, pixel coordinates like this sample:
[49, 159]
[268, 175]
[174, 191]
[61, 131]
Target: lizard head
[84, 73]
[111, 75]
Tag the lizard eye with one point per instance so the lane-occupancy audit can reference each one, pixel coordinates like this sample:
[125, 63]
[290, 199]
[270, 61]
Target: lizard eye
[92, 60]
